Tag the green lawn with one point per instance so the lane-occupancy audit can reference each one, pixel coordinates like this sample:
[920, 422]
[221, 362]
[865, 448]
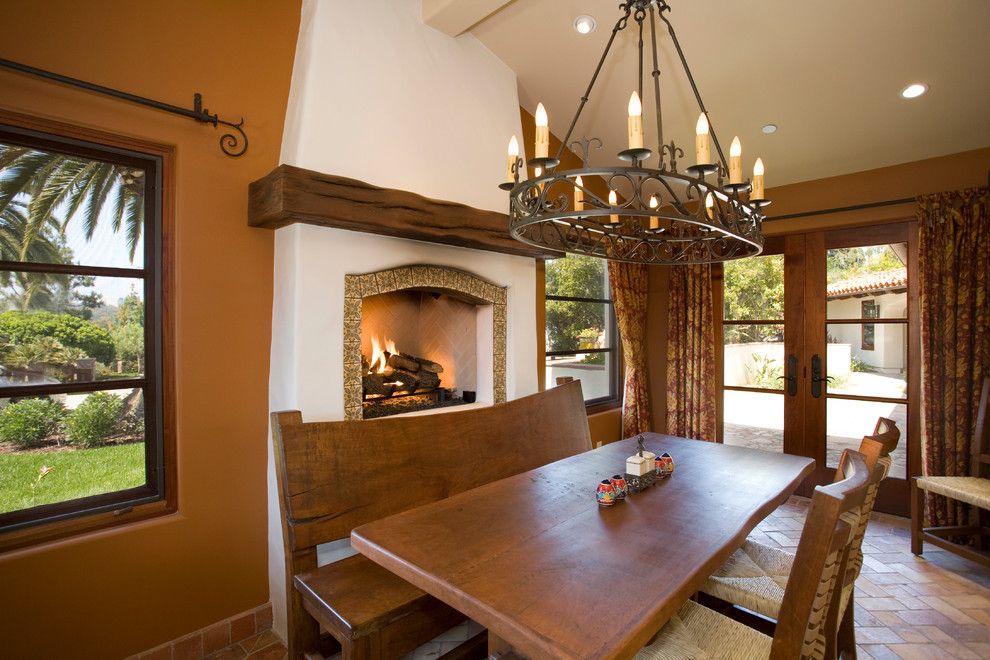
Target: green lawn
[74, 474]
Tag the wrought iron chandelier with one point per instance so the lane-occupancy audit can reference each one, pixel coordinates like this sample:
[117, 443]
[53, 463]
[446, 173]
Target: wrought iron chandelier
[661, 215]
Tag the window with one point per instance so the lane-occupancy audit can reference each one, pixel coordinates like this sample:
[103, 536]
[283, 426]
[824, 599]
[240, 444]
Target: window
[871, 310]
[581, 337]
[82, 413]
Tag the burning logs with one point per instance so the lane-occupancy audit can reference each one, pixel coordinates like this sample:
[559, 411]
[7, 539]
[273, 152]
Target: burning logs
[403, 374]
[413, 363]
[374, 386]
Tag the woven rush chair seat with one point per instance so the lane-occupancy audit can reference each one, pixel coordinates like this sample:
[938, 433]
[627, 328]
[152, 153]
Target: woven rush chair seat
[698, 632]
[971, 490]
[754, 577]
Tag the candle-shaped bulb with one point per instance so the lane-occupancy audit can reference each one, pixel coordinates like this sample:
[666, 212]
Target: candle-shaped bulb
[635, 122]
[759, 190]
[613, 201]
[735, 161]
[578, 194]
[654, 203]
[709, 204]
[512, 158]
[542, 132]
[702, 141]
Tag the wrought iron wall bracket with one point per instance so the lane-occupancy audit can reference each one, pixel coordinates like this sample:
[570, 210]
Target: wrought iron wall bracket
[233, 143]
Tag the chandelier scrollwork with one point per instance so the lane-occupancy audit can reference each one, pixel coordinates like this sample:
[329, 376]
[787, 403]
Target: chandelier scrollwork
[649, 215]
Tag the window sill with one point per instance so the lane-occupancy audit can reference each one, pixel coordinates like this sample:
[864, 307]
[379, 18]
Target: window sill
[602, 406]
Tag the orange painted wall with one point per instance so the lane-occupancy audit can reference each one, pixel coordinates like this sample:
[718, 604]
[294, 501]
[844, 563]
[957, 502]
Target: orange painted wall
[113, 593]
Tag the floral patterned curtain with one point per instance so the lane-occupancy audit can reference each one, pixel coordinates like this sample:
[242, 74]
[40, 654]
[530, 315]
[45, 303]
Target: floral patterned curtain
[629, 293]
[954, 264]
[691, 369]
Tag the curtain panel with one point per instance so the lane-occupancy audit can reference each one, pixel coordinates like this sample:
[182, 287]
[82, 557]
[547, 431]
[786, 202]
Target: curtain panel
[954, 266]
[630, 289]
[691, 387]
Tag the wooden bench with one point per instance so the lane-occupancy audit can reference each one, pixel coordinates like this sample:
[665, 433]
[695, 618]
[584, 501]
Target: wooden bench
[334, 476]
[973, 490]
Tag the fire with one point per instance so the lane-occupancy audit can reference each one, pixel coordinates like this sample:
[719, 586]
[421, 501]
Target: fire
[380, 356]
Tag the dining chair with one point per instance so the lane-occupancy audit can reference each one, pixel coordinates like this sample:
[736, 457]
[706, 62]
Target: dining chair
[756, 575]
[809, 626]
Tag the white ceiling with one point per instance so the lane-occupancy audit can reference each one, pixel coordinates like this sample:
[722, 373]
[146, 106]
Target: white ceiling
[829, 74]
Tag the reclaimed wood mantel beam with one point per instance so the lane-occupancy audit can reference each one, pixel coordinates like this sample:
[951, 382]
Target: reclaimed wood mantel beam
[292, 194]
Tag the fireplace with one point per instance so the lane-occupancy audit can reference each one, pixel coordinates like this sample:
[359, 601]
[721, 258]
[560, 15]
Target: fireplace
[419, 337]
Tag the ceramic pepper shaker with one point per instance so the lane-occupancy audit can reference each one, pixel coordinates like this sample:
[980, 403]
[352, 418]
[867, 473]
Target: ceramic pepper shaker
[605, 494]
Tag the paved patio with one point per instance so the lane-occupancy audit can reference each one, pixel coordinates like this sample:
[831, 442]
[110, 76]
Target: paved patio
[757, 420]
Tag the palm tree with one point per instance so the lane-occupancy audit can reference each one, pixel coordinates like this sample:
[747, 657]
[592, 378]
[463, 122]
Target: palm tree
[27, 290]
[83, 185]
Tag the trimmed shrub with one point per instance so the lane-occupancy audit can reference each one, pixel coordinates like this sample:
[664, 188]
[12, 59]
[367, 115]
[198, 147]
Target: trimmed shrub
[19, 328]
[28, 422]
[95, 420]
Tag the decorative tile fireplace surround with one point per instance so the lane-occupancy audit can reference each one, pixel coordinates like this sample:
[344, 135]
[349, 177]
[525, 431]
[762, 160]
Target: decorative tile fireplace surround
[490, 335]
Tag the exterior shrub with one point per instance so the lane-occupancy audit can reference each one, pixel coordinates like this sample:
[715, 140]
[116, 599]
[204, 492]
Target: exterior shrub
[28, 422]
[95, 420]
[18, 328]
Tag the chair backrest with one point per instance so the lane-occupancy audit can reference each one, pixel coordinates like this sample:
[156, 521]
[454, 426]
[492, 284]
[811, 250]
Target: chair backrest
[335, 476]
[980, 460]
[808, 611]
[886, 432]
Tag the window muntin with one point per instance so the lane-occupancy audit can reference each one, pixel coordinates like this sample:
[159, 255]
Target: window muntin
[80, 353]
[582, 341]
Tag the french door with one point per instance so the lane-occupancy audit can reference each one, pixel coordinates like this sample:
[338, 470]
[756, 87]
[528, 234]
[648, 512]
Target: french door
[819, 340]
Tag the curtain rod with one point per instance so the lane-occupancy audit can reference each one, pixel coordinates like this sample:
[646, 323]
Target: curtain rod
[231, 144]
[841, 209]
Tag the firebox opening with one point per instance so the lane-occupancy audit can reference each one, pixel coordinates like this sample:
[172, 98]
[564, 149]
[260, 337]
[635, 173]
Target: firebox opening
[419, 350]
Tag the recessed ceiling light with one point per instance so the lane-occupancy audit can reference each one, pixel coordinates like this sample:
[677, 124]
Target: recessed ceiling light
[585, 24]
[770, 128]
[914, 90]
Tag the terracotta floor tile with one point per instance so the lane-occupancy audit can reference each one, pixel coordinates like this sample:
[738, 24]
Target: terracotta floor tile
[272, 652]
[879, 635]
[939, 605]
[879, 651]
[879, 604]
[930, 651]
[260, 641]
[234, 652]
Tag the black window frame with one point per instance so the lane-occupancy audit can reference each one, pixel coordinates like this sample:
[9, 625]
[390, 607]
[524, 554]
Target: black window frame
[18, 527]
[616, 367]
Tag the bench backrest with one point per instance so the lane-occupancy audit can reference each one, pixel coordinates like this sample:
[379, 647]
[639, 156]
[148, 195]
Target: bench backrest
[335, 476]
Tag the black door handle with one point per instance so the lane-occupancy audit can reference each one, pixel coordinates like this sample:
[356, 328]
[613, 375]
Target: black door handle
[816, 376]
[791, 376]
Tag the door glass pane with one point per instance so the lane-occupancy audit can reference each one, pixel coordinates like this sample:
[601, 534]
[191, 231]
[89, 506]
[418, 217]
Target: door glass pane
[753, 355]
[867, 282]
[867, 359]
[848, 421]
[754, 288]
[592, 369]
[754, 419]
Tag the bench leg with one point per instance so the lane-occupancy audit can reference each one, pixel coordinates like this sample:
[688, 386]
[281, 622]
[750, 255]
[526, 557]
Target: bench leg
[303, 632]
[917, 517]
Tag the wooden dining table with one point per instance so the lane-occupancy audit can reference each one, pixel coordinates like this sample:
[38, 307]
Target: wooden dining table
[551, 574]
